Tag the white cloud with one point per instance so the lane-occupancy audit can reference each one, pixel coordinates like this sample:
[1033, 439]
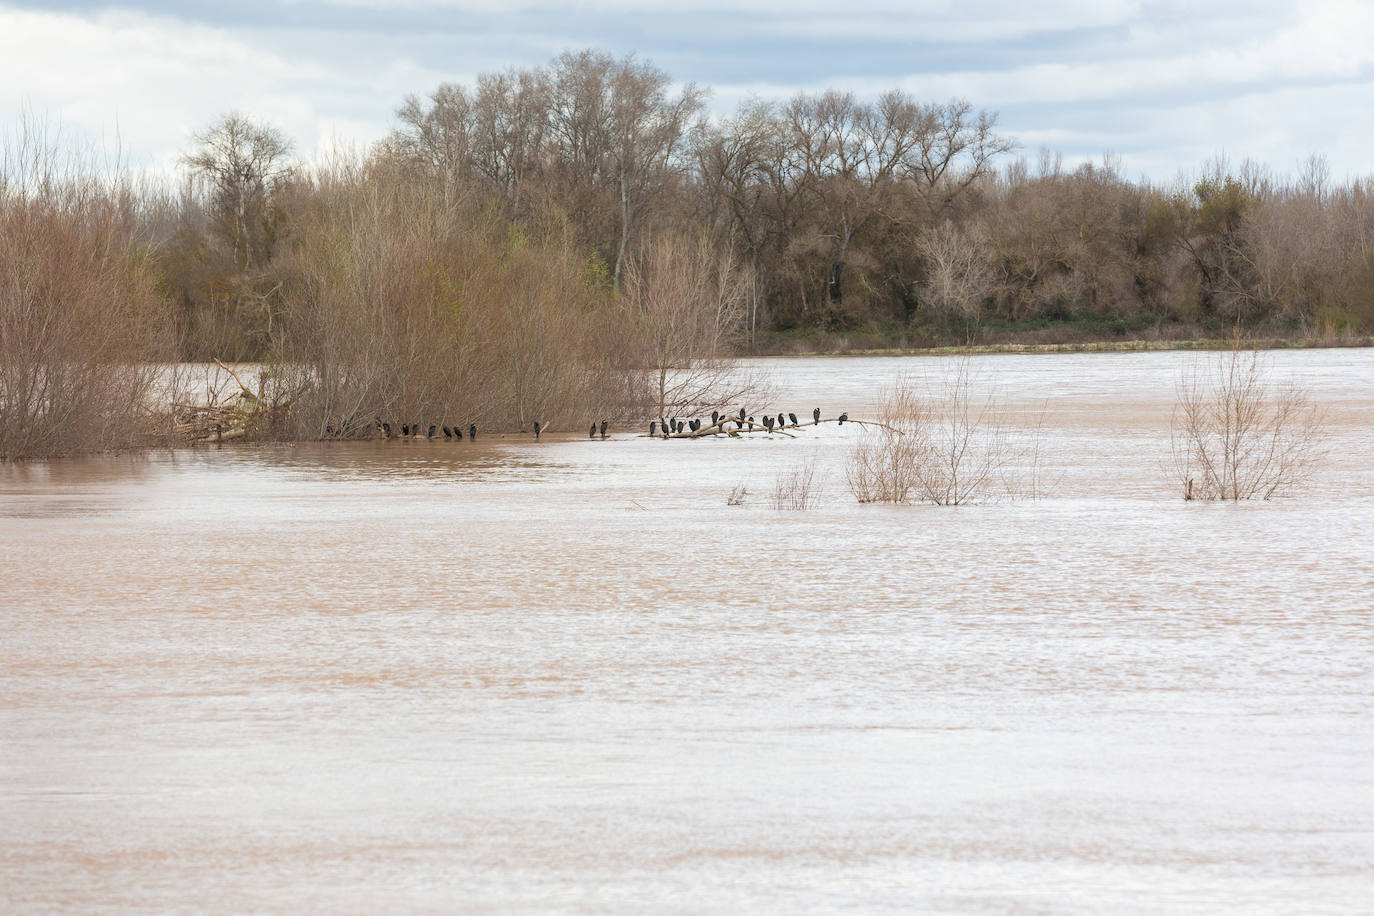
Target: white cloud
[155, 81]
[1161, 81]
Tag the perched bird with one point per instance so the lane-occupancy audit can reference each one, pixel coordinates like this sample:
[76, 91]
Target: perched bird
[386, 430]
[663, 425]
[782, 421]
[715, 415]
[448, 433]
[768, 424]
[592, 434]
[603, 429]
[816, 417]
[793, 418]
[739, 423]
[432, 429]
[536, 430]
[472, 432]
[843, 417]
[741, 413]
[694, 425]
[653, 428]
[458, 433]
[405, 430]
[751, 422]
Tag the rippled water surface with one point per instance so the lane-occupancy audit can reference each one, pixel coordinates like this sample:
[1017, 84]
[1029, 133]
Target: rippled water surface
[567, 676]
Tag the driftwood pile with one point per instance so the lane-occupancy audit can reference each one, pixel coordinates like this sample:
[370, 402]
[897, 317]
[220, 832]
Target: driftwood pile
[218, 420]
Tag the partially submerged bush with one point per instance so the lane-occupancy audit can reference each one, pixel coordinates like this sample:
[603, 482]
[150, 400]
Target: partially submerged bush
[79, 311]
[800, 487]
[407, 307]
[1237, 435]
[945, 448]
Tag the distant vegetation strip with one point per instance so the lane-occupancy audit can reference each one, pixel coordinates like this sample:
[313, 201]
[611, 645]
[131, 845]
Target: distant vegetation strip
[580, 240]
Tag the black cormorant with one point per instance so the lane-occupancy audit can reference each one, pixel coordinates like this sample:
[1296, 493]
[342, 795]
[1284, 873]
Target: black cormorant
[472, 432]
[793, 418]
[536, 430]
[816, 417]
[603, 429]
[843, 417]
[592, 434]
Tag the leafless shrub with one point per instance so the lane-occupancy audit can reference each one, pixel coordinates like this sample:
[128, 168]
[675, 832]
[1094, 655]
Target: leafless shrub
[800, 487]
[407, 307]
[945, 448]
[1236, 435]
[882, 466]
[738, 493]
[80, 328]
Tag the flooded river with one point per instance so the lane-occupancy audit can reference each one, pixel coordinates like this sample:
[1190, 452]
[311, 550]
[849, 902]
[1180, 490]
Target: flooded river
[567, 676]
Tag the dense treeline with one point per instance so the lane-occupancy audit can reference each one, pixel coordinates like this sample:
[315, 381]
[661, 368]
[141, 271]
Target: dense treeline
[903, 218]
[551, 242]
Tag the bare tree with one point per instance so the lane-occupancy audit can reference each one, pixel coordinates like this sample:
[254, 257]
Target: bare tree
[685, 299]
[244, 162]
[1236, 435]
[958, 271]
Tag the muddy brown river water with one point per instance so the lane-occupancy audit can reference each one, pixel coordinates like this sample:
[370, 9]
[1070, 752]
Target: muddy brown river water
[566, 676]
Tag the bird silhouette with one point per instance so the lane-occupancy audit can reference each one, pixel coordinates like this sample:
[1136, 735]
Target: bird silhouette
[405, 430]
[458, 433]
[782, 421]
[793, 418]
[715, 415]
[768, 424]
[432, 429]
[472, 432]
[816, 417]
[448, 433]
[536, 430]
[386, 430]
[603, 429]
[653, 428]
[843, 417]
[592, 434]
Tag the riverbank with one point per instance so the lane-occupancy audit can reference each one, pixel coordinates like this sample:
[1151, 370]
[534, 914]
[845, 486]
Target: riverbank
[888, 342]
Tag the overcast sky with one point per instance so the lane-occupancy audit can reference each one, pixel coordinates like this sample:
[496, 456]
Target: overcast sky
[1163, 84]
